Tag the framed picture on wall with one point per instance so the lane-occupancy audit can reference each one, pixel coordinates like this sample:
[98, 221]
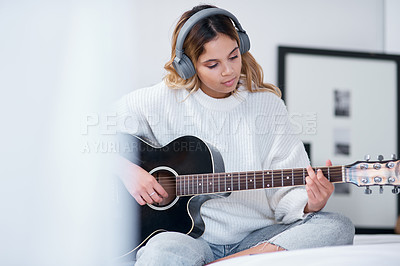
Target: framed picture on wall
[345, 105]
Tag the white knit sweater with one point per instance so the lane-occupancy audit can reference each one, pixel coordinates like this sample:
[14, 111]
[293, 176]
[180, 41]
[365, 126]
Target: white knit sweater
[251, 131]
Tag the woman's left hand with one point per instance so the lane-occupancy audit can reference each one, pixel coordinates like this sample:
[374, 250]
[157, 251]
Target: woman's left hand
[319, 189]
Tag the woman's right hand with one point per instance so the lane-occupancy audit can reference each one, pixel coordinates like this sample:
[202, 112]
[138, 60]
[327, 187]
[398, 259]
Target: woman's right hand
[140, 184]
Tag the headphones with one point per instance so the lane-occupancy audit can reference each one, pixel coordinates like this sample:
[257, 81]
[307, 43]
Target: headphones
[182, 63]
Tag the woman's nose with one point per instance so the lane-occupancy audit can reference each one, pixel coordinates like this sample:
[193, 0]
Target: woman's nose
[227, 69]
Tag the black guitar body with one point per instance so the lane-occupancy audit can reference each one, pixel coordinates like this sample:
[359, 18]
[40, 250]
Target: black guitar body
[185, 155]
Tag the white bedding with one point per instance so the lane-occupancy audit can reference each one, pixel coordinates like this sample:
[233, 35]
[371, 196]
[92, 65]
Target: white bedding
[367, 250]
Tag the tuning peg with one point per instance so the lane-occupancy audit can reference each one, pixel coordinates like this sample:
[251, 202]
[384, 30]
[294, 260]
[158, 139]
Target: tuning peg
[395, 190]
[368, 190]
[380, 158]
[367, 157]
[380, 189]
[390, 165]
[394, 157]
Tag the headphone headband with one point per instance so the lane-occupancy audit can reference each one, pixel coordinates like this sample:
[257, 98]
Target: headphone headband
[208, 12]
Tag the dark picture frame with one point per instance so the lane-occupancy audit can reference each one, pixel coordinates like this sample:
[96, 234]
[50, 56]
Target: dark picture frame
[353, 98]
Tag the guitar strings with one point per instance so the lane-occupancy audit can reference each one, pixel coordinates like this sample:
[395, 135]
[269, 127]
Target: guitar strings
[265, 173]
[218, 179]
[249, 174]
[237, 175]
[268, 183]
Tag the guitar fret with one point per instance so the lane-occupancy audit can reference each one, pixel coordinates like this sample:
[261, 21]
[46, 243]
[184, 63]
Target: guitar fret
[213, 181]
[221, 183]
[212, 184]
[180, 187]
[197, 184]
[202, 184]
[247, 182]
[304, 182]
[225, 182]
[239, 181]
[292, 178]
[272, 177]
[221, 189]
[263, 179]
[207, 185]
[218, 182]
[255, 180]
[228, 188]
[188, 183]
[282, 176]
[187, 186]
[329, 174]
[178, 181]
[184, 185]
[231, 188]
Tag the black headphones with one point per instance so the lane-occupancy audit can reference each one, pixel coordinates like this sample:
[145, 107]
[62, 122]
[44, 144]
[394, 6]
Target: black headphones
[182, 63]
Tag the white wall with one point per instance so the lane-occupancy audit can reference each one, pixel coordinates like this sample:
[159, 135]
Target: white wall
[345, 25]
[61, 61]
[392, 27]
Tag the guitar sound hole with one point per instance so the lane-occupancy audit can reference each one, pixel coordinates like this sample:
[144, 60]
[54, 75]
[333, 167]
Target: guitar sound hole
[168, 181]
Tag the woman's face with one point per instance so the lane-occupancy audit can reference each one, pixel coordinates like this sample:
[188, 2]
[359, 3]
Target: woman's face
[219, 66]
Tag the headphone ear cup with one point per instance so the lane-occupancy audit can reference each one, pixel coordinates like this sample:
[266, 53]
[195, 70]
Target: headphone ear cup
[244, 42]
[185, 67]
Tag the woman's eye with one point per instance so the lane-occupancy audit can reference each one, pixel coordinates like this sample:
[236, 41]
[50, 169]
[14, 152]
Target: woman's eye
[233, 57]
[210, 67]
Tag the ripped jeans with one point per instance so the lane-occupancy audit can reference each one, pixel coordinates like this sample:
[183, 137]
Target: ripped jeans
[316, 230]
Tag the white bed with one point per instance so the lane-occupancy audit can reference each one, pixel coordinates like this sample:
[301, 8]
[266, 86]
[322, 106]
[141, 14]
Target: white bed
[367, 250]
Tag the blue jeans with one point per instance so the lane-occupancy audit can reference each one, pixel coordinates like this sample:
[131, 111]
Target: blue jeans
[316, 230]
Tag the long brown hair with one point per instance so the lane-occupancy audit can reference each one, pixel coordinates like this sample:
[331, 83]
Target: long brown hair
[201, 33]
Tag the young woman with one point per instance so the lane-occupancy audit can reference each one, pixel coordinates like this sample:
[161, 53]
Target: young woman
[214, 90]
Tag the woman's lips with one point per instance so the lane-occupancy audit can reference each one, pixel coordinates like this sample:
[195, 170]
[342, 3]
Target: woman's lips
[229, 83]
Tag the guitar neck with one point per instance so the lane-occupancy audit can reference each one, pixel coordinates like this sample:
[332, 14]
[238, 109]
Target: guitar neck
[227, 182]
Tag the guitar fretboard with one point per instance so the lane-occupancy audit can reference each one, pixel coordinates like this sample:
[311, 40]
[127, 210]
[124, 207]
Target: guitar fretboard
[227, 182]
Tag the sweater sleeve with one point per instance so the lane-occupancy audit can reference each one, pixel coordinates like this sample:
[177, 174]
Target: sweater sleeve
[288, 203]
[131, 118]
[287, 151]
[128, 119]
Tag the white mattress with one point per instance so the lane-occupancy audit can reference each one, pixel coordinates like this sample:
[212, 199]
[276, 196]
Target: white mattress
[367, 250]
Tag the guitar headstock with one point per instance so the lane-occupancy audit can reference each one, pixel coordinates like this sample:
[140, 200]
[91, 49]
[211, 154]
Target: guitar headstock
[374, 173]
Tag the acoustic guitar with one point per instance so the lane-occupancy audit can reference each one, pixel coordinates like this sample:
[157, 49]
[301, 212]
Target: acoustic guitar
[192, 172]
